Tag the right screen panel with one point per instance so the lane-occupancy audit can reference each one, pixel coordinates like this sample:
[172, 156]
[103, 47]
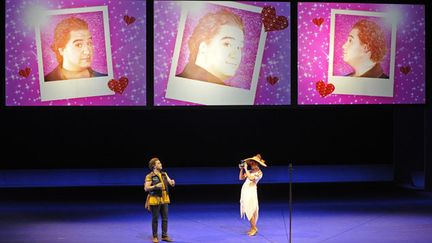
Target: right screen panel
[353, 53]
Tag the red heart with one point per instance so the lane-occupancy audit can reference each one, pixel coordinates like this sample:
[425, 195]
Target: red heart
[272, 80]
[405, 70]
[129, 20]
[118, 86]
[318, 22]
[24, 72]
[324, 89]
[271, 21]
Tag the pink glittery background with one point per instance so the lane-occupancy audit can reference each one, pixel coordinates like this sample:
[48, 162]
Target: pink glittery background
[313, 51]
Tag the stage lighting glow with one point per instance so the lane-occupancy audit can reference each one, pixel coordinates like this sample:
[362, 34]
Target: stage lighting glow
[395, 15]
[193, 7]
[34, 16]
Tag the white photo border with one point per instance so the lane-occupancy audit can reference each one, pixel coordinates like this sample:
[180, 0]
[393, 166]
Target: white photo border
[359, 85]
[76, 88]
[206, 93]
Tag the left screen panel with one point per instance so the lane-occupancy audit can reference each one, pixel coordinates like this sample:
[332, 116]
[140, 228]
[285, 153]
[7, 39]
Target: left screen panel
[75, 53]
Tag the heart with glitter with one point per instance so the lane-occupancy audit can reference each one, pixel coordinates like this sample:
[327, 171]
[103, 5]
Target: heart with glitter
[405, 70]
[272, 80]
[24, 72]
[271, 21]
[129, 20]
[324, 89]
[118, 86]
[318, 21]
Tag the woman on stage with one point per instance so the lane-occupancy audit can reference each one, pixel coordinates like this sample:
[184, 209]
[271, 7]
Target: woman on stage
[249, 196]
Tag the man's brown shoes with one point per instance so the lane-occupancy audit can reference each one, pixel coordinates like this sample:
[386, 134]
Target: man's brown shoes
[167, 239]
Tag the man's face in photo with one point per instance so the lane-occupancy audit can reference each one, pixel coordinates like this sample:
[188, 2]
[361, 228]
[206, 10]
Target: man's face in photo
[354, 52]
[78, 52]
[224, 52]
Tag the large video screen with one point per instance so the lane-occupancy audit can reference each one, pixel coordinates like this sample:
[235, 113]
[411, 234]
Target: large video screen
[75, 53]
[221, 53]
[354, 53]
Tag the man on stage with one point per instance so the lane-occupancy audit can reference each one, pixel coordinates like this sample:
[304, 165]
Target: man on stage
[156, 184]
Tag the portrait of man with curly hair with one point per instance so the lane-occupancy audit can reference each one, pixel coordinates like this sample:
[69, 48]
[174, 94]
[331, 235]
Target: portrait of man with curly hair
[364, 50]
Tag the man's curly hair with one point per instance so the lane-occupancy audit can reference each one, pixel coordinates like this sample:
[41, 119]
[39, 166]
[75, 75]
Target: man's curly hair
[371, 35]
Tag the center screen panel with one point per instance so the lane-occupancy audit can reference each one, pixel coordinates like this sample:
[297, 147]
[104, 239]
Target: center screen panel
[221, 53]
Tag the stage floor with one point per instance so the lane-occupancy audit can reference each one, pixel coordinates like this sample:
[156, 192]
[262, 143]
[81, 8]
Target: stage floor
[333, 213]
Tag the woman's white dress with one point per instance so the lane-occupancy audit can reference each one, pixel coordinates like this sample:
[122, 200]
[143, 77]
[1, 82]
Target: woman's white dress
[249, 196]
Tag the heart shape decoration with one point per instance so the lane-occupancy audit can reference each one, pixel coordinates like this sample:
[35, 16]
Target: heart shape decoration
[272, 80]
[405, 70]
[129, 20]
[271, 21]
[118, 86]
[324, 89]
[24, 72]
[318, 21]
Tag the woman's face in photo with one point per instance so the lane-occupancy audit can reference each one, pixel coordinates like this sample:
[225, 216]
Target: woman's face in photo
[78, 52]
[354, 52]
[225, 51]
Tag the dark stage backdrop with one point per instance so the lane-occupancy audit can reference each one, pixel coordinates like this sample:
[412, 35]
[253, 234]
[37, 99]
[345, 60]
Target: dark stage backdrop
[211, 136]
[91, 137]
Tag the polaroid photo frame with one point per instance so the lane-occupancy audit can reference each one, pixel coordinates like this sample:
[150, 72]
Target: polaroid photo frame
[361, 85]
[75, 88]
[207, 93]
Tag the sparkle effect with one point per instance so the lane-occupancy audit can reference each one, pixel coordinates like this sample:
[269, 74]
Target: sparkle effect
[276, 60]
[313, 49]
[128, 47]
